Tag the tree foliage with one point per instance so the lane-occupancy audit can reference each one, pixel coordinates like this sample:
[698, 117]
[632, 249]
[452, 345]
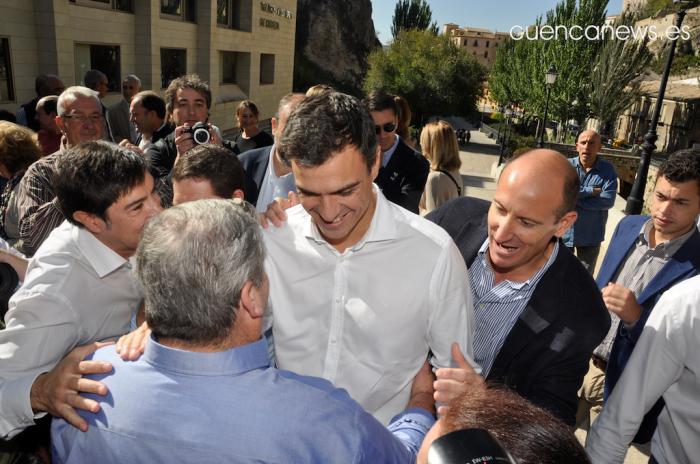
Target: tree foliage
[614, 80]
[434, 75]
[412, 14]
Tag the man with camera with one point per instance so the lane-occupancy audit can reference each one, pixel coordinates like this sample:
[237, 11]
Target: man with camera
[188, 100]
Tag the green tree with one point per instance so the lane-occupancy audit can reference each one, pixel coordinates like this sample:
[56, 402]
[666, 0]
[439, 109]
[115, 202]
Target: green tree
[434, 75]
[412, 14]
[614, 84]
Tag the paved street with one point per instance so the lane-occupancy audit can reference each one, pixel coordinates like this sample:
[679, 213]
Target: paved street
[479, 171]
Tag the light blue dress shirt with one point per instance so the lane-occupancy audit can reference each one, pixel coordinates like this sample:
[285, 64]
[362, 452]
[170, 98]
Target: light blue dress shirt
[229, 406]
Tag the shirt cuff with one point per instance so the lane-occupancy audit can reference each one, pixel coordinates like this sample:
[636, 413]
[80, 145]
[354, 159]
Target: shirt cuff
[411, 426]
[16, 406]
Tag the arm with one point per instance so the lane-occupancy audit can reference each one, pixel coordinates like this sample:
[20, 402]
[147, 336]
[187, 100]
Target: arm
[600, 197]
[39, 212]
[657, 362]
[18, 263]
[412, 188]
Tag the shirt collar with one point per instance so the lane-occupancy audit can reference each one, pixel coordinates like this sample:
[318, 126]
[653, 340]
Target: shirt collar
[669, 247]
[386, 155]
[233, 361]
[383, 225]
[103, 259]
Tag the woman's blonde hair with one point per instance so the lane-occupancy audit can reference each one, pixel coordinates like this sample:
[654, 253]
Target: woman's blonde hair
[438, 142]
[18, 147]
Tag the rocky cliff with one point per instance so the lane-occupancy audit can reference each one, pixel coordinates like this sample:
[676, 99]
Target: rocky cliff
[333, 39]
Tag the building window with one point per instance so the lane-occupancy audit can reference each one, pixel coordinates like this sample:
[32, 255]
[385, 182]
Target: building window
[235, 69]
[476, 43]
[104, 58]
[267, 69]
[118, 5]
[486, 54]
[173, 64]
[185, 9]
[235, 14]
[495, 45]
[487, 44]
[7, 91]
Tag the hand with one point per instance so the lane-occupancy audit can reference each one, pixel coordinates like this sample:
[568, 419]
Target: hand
[183, 140]
[56, 391]
[275, 210]
[596, 191]
[214, 138]
[622, 302]
[130, 146]
[132, 345]
[454, 382]
[422, 389]
[18, 263]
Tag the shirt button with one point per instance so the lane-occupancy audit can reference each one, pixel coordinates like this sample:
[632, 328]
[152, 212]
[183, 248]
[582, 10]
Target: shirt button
[332, 341]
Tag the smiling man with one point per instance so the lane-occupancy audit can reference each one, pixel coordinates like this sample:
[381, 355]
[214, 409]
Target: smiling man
[538, 313]
[361, 289]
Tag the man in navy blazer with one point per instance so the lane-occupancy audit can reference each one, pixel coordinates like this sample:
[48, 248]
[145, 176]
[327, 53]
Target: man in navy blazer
[265, 182]
[527, 286]
[646, 256]
[404, 171]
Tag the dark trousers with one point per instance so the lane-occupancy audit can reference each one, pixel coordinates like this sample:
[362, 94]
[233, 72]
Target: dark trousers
[588, 255]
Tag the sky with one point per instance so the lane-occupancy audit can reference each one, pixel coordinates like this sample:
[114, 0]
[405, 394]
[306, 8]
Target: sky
[498, 15]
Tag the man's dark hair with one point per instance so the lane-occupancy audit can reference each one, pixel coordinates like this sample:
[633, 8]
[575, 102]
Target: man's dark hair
[682, 166]
[188, 81]
[93, 77]
[380, 101]
[7, 116]
[215, 164]
[48, 104]
[151, 101]
[323, 125]
[93, 175]
[530, 434]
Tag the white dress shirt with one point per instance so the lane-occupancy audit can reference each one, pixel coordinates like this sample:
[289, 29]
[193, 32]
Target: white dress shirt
[77, 291]
[665, 362]
[365, 319]
[274, 186]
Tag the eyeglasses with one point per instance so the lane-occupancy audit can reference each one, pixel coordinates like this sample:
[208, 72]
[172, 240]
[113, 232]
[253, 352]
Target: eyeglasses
[388, 127]
[82, 119]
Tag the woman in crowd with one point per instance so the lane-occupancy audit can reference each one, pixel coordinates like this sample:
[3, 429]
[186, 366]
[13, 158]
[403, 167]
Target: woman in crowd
[19, 148]
[403, 129]
[438, 142]
[251, 136]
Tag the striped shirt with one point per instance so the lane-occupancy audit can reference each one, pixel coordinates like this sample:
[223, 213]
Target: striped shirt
[641, 265]
[38, 208]
[497, 308]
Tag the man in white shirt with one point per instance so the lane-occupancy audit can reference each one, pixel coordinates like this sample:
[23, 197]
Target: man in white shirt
[78, 288]
[665, 363]
[361, 289]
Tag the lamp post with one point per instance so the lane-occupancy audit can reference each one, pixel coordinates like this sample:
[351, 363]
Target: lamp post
[551, 78]
[635, 201]
[508, 112]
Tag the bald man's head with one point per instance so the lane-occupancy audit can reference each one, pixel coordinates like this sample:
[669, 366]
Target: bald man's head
[553, 171]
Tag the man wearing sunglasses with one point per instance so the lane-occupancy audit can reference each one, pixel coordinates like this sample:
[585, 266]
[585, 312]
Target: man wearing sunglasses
[403, 171]
[80, 119]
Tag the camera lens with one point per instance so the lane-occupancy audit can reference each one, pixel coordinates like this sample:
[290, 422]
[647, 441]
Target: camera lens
[201, 136]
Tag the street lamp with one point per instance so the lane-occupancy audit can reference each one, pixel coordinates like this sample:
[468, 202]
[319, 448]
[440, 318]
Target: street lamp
[635, 201]
[551, 78]
[508, 112]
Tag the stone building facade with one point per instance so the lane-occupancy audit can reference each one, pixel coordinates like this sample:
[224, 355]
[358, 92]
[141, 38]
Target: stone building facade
[243, 48]
[481, 43]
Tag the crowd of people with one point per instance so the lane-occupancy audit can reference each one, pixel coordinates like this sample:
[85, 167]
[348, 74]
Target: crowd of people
[326, 293]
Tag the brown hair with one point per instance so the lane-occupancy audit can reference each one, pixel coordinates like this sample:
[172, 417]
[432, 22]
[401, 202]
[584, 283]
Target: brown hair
[438, 142]
[18, 147]
[530, 434]
[247, 104]
[188, 81]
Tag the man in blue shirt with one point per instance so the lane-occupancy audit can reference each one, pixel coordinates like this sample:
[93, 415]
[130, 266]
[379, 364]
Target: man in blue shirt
[204, 390]
[596, 197]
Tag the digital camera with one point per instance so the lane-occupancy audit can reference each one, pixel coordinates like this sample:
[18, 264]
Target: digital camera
[200, 133]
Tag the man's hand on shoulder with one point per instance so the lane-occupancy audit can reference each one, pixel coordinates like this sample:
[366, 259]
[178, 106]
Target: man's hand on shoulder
[57, 391]
[132, 345]
[275, 211]
[454, 382]
[622, 302]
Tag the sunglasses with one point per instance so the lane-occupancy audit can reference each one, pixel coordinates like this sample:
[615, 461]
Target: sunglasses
[388, 127]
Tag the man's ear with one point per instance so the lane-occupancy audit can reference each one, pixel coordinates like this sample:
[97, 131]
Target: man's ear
[238, 193]
[252, 300]
[59, 123]
[565, 222]
[274, 123]
[91, 222]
